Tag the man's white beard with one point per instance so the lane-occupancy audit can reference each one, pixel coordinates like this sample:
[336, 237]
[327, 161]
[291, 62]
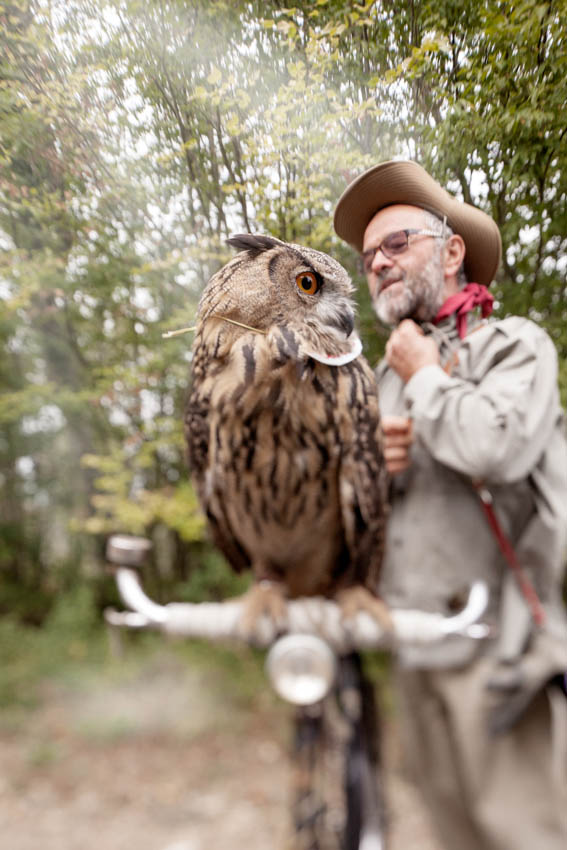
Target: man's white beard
[420, 298]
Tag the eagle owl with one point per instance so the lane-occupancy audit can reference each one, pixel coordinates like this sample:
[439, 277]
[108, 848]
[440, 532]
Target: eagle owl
[283, 430]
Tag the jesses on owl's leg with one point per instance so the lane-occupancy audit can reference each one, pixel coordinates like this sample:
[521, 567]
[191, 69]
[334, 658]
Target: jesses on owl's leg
[351, 600]
[266, 597]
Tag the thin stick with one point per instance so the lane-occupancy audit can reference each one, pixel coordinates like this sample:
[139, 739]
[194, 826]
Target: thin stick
[178, 332]
[169, 334]
[240, 325]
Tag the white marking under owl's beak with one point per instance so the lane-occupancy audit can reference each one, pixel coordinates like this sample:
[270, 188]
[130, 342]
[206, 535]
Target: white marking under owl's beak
[339, 359]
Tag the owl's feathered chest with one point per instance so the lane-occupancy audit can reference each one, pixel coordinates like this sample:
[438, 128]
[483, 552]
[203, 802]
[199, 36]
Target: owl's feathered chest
[279, 446]
[271, 417]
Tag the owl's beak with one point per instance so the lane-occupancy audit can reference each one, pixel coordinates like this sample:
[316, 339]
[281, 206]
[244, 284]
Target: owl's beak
[346, 323]
[339, 316]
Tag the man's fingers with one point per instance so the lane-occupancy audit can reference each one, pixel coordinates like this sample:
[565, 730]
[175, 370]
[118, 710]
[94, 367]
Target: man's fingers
[397, 431]
[395, 453]
[396, 424]
[408, 350]
[396, 460]
[395, 467]
[398, 439]
[408, 326]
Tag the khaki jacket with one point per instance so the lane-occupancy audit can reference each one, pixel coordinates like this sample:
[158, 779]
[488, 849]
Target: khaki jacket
[492, 413]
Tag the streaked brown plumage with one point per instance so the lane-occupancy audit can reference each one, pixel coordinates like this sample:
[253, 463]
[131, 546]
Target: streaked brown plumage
[285, 451]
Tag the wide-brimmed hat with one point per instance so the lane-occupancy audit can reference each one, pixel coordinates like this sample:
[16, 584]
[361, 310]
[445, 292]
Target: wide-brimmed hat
[406, 182]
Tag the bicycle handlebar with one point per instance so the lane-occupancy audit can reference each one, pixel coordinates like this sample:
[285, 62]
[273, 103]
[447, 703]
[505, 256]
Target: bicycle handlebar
[313, 615]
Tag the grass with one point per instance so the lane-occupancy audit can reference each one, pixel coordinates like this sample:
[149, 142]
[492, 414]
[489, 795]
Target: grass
[72, 652]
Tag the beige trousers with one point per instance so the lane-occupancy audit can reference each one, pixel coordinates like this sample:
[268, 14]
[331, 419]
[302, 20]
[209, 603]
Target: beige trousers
[485, 792]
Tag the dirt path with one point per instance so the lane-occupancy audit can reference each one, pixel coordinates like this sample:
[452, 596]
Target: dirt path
[157, 760]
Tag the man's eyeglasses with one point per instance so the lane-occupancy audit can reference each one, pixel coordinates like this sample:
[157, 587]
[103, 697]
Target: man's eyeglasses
[393, 245]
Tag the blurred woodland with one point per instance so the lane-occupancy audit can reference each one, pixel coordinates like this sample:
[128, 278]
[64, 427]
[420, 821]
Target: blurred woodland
[135, 137]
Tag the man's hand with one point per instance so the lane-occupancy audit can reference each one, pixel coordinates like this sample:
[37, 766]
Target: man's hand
[408, 350]
[398, 438]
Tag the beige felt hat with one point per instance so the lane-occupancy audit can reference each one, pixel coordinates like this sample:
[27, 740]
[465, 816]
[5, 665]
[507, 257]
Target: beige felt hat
[407, 182]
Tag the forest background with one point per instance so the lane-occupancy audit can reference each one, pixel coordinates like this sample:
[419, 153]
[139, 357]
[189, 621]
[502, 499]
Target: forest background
[135, 137]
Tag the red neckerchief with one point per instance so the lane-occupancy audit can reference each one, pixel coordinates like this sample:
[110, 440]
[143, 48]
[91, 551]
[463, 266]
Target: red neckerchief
[470, 296]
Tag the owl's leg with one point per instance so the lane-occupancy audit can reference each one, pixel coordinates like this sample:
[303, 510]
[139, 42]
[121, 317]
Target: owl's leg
[351, 600]
[266, 598]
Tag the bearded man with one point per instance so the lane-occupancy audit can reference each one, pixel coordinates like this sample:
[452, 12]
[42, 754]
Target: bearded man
[475, 444]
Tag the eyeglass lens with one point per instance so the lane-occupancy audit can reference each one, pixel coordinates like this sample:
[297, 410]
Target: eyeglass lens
[393, 244]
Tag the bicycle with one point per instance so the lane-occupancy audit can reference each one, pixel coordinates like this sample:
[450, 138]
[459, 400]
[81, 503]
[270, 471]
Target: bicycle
[338, 800]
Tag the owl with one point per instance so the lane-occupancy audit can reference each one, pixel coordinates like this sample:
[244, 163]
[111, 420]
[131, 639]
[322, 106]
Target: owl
[283, 430]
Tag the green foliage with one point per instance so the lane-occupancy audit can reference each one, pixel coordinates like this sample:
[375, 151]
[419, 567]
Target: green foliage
[71, 635]
[119, 505]
[213, 581]
[30, 605]
[74, 615]
[135, 141]
[497, 85]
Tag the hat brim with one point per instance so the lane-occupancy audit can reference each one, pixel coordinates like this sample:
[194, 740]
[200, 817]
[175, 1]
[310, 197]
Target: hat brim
[406, 182]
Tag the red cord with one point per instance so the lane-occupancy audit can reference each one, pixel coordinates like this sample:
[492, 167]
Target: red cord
[526, 587]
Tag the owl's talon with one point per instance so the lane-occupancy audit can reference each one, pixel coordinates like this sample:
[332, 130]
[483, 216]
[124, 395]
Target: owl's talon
[264, 599]
[352, 600]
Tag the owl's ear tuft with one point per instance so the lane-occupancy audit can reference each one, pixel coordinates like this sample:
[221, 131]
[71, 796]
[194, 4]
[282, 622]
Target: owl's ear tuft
[253, 242]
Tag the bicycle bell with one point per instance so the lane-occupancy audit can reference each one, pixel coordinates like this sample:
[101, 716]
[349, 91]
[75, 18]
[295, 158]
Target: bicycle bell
[301, 668]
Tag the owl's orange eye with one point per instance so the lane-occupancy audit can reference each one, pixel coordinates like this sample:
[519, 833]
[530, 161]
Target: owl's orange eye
[307, 282]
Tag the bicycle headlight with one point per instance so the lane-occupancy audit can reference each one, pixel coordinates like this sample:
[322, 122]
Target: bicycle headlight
[301, 668]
